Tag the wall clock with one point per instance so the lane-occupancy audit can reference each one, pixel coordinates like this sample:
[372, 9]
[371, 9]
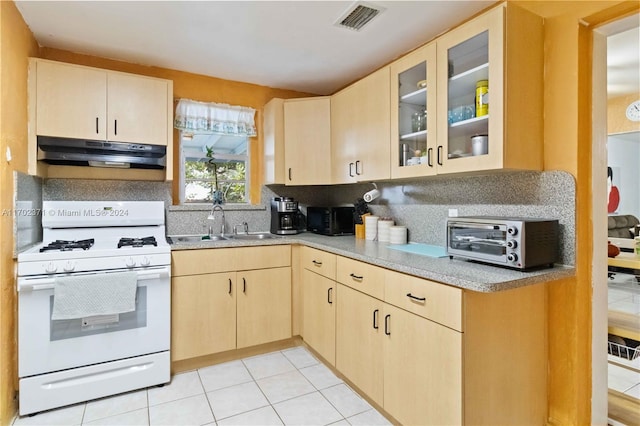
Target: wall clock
[633, 111]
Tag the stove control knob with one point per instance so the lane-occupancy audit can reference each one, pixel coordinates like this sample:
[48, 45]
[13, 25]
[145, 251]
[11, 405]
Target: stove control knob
[145, 261]
[512, 244]
[512, 257]
[50, 268]
[68, 267]
[512, 230]
[130, 262]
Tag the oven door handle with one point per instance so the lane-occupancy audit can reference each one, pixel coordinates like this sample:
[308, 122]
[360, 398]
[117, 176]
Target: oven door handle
[48, 283]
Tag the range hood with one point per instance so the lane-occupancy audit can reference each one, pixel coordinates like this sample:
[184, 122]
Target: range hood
[80, 152]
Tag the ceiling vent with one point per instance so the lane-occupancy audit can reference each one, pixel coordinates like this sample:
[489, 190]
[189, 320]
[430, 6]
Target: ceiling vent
[358, 15]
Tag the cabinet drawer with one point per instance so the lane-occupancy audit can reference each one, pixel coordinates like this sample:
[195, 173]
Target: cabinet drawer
[262, 257]
[195, 262]
[361, 276]
[437, 302]
[319, 261]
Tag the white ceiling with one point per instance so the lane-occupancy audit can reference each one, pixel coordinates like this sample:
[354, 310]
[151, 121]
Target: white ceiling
[283, 44]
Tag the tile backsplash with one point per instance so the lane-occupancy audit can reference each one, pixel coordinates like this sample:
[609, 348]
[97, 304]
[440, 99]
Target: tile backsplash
[420, 204]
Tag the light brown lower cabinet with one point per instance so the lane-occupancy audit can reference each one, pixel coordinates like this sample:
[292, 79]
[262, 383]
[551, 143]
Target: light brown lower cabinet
[264, 306]
[203, 311]
[229, 298]
[433, 354]
[320, 296]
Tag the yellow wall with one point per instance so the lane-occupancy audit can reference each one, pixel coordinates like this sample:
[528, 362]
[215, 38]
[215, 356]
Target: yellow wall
[197, 87]
[16, 45]
[617, 121]
[568, 146]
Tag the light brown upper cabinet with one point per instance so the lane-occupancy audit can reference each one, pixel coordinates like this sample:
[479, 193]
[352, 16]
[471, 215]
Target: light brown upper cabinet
[360, 123]
[413, 114]
[307, 141]
[495, 59]
[79, 102]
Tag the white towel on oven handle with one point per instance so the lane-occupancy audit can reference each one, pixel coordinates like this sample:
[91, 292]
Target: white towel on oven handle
[80, 296]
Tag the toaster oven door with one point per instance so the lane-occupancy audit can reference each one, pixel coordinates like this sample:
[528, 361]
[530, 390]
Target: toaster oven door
[481, 241]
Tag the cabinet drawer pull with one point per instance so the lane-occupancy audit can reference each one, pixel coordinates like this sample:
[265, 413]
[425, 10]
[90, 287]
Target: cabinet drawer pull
[317, 263]
[115, 127]
[329, 295]
[375, 319]
[289, 173]
[419, 299]
[350, 172]
[440, 155]
[229, 285]
[244, 285]
[357, 168]
[387, 328]
[356, 277]
[429, 157]
[97, 131]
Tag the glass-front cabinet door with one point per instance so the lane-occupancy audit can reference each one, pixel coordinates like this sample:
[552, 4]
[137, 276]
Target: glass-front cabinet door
[413, 114]
[470, 96]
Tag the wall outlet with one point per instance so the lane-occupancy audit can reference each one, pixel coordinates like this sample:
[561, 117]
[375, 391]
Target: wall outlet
[453, 212]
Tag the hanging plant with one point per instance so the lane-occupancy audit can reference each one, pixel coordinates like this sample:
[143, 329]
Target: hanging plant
[212, 166]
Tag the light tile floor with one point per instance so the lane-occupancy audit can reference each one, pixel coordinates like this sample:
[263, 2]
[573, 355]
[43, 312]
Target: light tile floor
[289, 387]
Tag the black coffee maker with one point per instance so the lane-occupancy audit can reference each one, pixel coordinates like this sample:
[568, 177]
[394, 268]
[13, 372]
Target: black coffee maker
[285, 216]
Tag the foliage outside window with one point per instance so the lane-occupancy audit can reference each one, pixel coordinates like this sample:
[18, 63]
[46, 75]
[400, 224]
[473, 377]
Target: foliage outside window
[209, 170]
[214, 164]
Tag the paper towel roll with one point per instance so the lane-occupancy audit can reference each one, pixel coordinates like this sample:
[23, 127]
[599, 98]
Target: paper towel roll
[371, 195]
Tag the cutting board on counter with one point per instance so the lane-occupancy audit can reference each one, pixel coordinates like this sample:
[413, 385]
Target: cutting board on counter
[421, 249]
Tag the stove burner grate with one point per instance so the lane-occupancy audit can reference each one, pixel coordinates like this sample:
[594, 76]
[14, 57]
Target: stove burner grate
[63, 245]
[137, 242]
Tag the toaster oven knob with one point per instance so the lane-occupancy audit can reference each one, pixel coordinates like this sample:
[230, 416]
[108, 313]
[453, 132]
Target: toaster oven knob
[130, 262]
[512, 257]
[50, 268]
[68, 267]
[512, 230]
[512, 244]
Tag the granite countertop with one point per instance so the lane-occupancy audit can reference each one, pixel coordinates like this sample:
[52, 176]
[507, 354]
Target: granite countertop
[456, 272]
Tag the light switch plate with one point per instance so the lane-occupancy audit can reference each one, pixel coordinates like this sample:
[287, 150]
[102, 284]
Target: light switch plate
[453, 212]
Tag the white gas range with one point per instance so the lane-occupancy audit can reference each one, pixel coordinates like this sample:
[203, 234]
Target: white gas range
[64, 361]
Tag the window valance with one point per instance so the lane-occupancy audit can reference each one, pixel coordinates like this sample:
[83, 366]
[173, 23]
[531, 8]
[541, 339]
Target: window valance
[212, 118]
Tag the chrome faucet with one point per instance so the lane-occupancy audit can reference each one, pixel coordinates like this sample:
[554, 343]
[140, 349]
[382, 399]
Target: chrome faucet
[244, 225]
[212, 216]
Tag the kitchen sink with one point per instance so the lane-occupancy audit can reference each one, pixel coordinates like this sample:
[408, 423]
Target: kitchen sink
[254, 236]
[195, 238]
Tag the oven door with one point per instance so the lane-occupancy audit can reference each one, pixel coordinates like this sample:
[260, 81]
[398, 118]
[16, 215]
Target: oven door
[481, 241]
[45, 345]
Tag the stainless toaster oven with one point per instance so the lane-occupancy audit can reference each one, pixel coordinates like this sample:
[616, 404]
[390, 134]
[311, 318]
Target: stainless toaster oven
[520, 243]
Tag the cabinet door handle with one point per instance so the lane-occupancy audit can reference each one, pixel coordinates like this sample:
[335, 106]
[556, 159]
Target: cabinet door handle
[97, 131]
[375, 319]
[356, 277]
[440, 155]
[317, 263]
[329, 294]
[244, 285]
[229, 285]
[115, 127]
[419, 299]
[357, 168]
[289, 173]
[350, 170]
[430, 157]
[387, 328]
